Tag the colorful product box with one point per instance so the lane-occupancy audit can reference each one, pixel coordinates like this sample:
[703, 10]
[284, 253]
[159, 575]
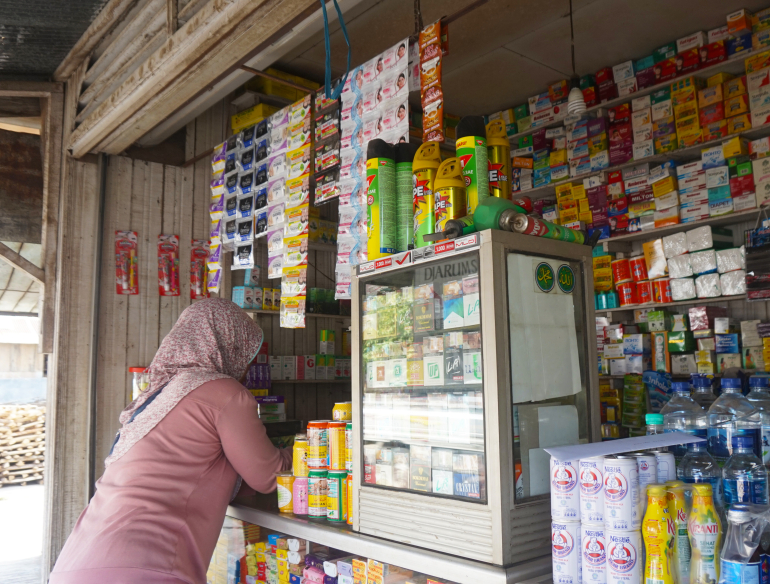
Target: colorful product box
[710, 95]
[738, 124]
[735, 87]
[712, 114]
[714, 131]
[712, 53]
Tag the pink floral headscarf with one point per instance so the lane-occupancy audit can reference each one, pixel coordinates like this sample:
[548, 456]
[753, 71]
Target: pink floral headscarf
[213, 339]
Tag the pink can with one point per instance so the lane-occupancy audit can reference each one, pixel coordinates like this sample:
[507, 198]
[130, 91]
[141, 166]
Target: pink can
[300, 497]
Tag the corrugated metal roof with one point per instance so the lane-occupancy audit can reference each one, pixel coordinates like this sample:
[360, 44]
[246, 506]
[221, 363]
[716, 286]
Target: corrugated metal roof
[35, 36]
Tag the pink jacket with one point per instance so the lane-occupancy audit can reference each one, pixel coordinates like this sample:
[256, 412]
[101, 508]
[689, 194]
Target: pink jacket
[158, 510]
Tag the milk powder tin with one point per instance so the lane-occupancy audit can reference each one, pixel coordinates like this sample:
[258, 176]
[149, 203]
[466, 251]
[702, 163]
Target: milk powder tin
[666, 466]
[565, 494]
[647, 466]
[593, 547]
[622, 510]
[565, 552]
[625, 559]
[591, 479]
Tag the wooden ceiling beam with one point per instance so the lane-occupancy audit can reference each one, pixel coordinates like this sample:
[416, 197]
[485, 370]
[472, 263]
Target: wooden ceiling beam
[18, 262]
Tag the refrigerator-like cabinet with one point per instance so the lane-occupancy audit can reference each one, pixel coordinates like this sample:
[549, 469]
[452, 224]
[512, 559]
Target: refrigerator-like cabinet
[473, 356]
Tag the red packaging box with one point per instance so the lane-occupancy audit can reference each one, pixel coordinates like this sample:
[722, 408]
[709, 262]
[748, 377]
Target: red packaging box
[742, 185]
[604, 75]
[712, 113]
[620, 154]
[621, 134]
[617, 207]
[619, 114]
[607, 91]
[646, 78]
[702, 317]
[590, 97]
[713, 53]
[600, 217]
[688, 61]
[615, 176]
[665, 70]
[619, 225]
[715, 131]
[640, 197]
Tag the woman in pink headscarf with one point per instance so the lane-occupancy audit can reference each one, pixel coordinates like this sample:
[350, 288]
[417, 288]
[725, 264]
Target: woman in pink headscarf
[178, 460]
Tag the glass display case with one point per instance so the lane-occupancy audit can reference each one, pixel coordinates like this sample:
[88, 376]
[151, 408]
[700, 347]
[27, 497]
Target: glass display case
[423, 405]
[475, 356]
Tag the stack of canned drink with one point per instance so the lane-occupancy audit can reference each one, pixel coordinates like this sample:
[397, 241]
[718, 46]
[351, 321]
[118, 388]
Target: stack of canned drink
[597, 507]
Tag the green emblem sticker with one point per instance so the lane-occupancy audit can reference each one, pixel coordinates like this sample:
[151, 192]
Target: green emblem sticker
[544, 277]
[566, 279]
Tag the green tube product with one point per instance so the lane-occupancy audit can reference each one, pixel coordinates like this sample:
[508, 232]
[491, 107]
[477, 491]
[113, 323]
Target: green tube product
[472, 153]
[540, 228]
[381, 199]
[424, 169]
[405, 153]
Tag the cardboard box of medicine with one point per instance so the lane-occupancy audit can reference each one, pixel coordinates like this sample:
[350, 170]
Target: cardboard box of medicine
[714, 131]
[727, 343]
[681, 342]
[707, 344]
[756, 62]
[738, 124]
[688, 60]
[705, 356]
[694, 40]
[712, 114]
[760, 40]
[662, 110]
[736, 146]
[661, 358]
[665, 52]
[718, 34]
[738, 45]
[744, 202]
[636, 344]
[288, 367]
[727, 361]
[760, 117]
[683, 364]
[637, 364]
[735, 87]
[710, 96]
[713, 53]
[739, 22]
[751, 357]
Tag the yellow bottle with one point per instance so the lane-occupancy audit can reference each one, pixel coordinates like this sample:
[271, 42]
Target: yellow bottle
[677, 509]
[705, 531]
[658, 534]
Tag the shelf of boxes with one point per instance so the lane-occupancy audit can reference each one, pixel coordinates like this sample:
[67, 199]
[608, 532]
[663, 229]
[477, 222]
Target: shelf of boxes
[734, 66]
[307, 314]
[679, 155]
[307, 381]
[692, 302]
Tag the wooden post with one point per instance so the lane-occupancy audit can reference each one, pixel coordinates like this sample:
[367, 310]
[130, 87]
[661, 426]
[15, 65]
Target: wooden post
[171, 16]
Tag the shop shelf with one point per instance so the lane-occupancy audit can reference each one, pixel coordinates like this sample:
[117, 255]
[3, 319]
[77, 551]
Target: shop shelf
[692, 302]
[306, 381]
[411, 442]
[307, 314]
[735, 66]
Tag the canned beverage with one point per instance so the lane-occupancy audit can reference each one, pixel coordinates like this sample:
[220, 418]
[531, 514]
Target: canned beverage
[336, 433]
[626, 293]
[591, 473]
[622, 509]
[349, 446]
[638, 268]
[300, 455]
[621, 271]
[565, 494]
[593, 548]
[529, 225]
[661, 291]
[644, 292]
[317, 491]
[349, 494]
[317, 444]
[336, 497]
[342, 412]
[565, 552]
[666, 466]
[647, 465]
[285, 491]
[625, 558]
[300, 496]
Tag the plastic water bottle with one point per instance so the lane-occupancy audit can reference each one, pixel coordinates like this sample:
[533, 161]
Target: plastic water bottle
[654, 424]
[759, 396]
[744, 475]
[732, 415]
[698, 466]
[682, 414]
[740, 559]
[703, 394]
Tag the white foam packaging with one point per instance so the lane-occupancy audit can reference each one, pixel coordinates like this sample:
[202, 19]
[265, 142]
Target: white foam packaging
[708, 286]
[729, 260]
[703, 262]
[675, 245]
[680, 266]
[682, 289]
[733, 283]
[699, 238]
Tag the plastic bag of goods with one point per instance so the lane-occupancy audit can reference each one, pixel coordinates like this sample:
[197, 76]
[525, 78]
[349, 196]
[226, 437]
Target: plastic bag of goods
[729, 260]
[675, 245]
[733, 283]
[707, 286]
[682, 289]
[680, 266]
[703, 262]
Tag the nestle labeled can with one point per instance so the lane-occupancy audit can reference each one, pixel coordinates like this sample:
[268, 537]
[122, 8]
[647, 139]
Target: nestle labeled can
[593, 549]
[591, 479]
[666, 466]
[622, 509]
[565, 493]
[625, 558]
[647, 465]
[565, 552]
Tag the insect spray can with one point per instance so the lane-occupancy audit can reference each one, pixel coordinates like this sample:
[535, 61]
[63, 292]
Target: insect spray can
[426, 163]
[404, 196]
[499, 160]
[534, 226]
[472, 154]
[449, 193]
[381, 199]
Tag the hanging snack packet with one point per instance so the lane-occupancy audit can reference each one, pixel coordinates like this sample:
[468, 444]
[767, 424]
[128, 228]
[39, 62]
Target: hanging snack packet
[431, 92]
[260, 222]
[168, 265]
[295, 251]
[244, 256]
[246, 137]
[214, 281]
[293, 312]
[199, 253]
[218, 159]
[126, 265]
[276, 190]
[294, 281]
[296, 221]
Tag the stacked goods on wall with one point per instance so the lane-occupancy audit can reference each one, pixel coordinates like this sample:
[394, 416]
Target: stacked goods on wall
[22, 444]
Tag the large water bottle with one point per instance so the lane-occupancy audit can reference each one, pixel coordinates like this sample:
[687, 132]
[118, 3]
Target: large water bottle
[703, 394]
[698, 466]
[654, 424]
[744, 476]
[732, 415]
[740, 559]
[682, 414]
[759, 396]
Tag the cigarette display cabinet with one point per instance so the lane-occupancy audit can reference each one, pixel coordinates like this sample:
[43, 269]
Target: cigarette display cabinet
[475, 355]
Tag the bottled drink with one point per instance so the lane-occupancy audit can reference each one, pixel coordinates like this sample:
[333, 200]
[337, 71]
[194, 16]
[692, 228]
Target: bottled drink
[740, 560]
[698, 466]
[744, 475]
[658, 534]
[654, 424]
[732, 415]
[677, 510]
[759, 396]
[703, 394]
[705, 531]
[682, 414]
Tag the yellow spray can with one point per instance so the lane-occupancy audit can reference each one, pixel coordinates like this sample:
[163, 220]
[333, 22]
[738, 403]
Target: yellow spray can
[499, 160]
[449, 193]
[426, 163]
[658, 534]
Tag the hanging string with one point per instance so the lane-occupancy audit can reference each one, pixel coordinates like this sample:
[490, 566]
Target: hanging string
[327, 45]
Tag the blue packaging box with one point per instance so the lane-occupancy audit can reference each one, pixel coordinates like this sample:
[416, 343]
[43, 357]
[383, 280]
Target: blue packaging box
[727, 343]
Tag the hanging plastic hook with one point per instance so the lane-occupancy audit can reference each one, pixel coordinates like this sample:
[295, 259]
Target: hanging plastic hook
[327, 45]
